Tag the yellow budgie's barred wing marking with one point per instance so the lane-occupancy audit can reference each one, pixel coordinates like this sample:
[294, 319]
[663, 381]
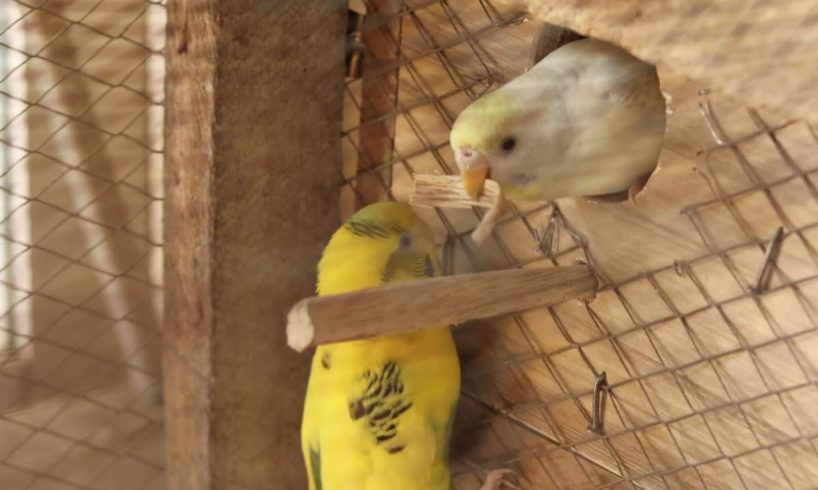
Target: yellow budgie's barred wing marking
[381, 405]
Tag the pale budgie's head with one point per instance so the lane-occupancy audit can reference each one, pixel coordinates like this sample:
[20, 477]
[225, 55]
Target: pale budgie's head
[499, 135]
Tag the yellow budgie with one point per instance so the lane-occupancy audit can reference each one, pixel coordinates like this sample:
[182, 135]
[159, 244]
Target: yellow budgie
[378, 412]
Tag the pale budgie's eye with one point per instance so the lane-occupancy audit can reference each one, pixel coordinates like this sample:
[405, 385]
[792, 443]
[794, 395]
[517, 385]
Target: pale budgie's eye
[508, 143]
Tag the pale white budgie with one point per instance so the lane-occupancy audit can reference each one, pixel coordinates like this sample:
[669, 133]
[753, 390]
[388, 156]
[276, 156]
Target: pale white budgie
[587, 120]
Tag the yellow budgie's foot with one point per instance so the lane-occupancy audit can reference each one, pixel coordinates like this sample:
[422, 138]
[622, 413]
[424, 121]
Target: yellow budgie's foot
[495, 479]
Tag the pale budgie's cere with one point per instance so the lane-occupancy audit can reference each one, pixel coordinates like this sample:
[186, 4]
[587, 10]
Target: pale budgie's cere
[378, 413]
[587, 120]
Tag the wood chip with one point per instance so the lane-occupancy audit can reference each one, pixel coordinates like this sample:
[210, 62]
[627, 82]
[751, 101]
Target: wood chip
[446, 191]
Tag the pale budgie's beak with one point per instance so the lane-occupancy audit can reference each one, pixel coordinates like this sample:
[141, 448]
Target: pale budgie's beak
[474, 170]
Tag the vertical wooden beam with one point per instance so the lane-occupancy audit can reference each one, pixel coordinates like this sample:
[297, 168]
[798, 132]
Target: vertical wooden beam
[252, 157]
[382, 33]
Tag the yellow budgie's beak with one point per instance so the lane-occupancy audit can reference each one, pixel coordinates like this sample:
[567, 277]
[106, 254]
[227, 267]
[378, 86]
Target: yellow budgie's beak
[474, 169]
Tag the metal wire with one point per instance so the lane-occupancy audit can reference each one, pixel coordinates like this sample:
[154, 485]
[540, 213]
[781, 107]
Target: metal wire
[674, 423]
[80, 132]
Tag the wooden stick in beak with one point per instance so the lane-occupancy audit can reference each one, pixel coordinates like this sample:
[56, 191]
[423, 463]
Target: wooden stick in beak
[438, 301]
[446, 191]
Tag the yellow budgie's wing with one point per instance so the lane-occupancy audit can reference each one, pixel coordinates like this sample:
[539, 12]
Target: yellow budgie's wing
[309, 436]
[385, 414]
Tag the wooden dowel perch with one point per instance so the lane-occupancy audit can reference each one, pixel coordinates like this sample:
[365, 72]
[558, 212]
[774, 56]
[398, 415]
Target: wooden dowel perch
[431, 302]
[447, 191]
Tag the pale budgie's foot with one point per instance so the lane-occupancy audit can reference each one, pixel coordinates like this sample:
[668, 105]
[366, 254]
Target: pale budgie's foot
[495, 478]
[637, 187]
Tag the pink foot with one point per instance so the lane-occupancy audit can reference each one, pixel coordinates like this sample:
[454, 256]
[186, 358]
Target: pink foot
[637, 187]
[495, 479]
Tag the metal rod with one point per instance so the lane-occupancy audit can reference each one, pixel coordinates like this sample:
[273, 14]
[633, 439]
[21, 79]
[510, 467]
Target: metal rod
[769, 258]
[355, 45]
[600, 385]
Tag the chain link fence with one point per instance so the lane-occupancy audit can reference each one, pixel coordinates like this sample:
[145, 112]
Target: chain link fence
[81, 85]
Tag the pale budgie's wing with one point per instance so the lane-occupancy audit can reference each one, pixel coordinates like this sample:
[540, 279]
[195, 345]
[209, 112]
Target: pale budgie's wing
[616, 110]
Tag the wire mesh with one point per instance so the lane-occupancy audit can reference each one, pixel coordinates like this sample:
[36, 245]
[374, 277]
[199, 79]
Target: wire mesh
[712, 379]
[80, 244]
[709, 346]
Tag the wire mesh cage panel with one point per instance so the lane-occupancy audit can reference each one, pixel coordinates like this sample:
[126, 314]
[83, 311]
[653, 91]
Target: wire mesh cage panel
[706, 322]
[705, 325]
[80, 244]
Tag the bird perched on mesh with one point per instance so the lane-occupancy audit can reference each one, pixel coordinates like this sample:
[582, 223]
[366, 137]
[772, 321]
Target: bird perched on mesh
[378, 412]
[586, 120]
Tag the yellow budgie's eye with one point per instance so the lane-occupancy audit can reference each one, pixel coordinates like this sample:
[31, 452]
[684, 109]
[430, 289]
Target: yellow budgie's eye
[405, 240]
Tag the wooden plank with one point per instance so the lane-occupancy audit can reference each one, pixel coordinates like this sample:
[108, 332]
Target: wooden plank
[430, 302]
[738, 48]
[547, 38]
[381, 35]
[252, 156]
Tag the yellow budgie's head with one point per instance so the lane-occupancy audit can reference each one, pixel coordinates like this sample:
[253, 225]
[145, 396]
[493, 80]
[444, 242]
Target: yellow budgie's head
[383, 242]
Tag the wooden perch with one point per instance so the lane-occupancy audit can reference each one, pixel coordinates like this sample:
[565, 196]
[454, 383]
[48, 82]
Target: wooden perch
[446, 191]
[425, 303]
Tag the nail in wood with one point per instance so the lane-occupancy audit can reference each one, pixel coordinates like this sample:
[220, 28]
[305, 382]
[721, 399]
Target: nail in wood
[600, 385]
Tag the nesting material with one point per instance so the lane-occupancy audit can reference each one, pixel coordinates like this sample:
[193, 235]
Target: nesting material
[446, 191]
[432, 302]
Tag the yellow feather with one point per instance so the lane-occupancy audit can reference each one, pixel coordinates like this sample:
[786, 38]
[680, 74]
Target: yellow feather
[337, 438]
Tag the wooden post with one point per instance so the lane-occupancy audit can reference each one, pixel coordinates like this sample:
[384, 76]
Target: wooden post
[382, 31]
[252, 173]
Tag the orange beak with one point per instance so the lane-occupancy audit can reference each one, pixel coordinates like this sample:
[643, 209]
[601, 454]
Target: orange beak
[473, 180]
[474, 169]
